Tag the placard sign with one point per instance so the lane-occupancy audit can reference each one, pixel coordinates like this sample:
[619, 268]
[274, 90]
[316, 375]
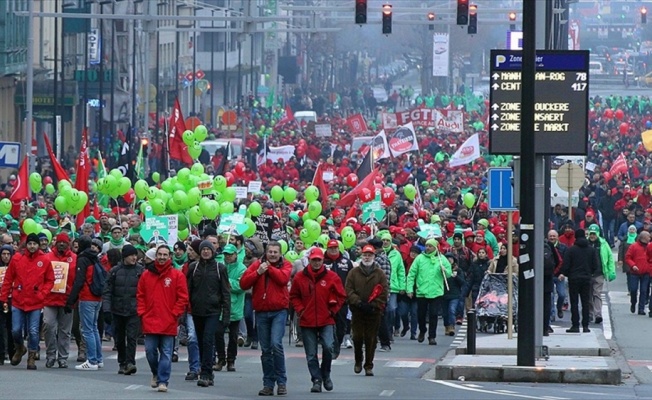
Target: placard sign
[561, 102]
[60, 276]
[323, 130]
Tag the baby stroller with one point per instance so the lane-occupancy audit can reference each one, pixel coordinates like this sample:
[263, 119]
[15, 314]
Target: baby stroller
[491, 305]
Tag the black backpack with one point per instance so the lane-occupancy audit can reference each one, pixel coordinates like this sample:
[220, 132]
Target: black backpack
[99, 279]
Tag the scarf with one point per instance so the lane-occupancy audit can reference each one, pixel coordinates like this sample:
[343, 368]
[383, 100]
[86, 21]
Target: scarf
[117, 243]
[631, 237]
[178, 262]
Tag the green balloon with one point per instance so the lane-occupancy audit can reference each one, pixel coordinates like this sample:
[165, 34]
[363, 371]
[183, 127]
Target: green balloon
[167, 186]
[277, 193]
[5, 206]
[188, 137]
[323, 240]
[63, 183]
[228, 194]
[305, 237]
[140, 188]
[47, 233]
[194, 195]
[35, 182]
[182, 221]
[158, 206]
[194, 215]
[180, 198]
[311, 193]
[212, 210]
[251, 227]
[30, 226]
[182, 234]
[226, 207]
[200, 133]
[183, 175]
[197, 169]
[284, 246]
[195, 150]
[219, 183]
[110, 184]
[116, 173]
[143, 206]
[289, 195]
[255, 209]
[123, 186]
[410, 191]
[152, 193]
[469, 200]
[156, 177]
[292, 256]
[314, 209]
[313, 229]
[204, 206]
[348, 237]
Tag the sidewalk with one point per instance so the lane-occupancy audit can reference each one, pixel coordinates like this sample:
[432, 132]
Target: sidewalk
[574, 358]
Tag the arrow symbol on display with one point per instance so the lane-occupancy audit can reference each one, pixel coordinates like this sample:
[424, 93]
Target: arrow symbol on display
[495, 86]
[494, 127]
[495, 107]
[494, 116]
[495, 76]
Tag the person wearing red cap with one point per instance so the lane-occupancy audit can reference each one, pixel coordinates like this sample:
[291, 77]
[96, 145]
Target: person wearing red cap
[317, 295]
[367, 290]
[335, 261]
[57, 324]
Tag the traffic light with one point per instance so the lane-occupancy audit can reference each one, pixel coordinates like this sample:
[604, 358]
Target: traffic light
[387, 19]
[473, 19]
[360, 11]
[431, 18]
[643, 15]
[462, 12]
[512, 21]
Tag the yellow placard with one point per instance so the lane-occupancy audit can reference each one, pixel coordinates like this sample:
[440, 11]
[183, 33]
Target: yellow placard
[60, 276]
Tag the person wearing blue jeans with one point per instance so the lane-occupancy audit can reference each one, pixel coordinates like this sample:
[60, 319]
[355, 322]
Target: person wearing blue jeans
[193, 350]
[407, 310]
[270, 326]
[31, 319]
[158, 349]
[89, 311]
[560, 288]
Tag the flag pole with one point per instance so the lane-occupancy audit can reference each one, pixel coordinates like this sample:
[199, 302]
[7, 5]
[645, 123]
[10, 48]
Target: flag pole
[167, 142]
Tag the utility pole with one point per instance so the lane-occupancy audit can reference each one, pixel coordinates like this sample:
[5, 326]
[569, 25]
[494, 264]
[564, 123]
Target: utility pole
[147, 29]
[29, 91]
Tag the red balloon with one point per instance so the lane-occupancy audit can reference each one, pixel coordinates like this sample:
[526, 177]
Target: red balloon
[378, 186]
[47, 180]
[365, 195]
[607, 176]
[608, 113]
[619, 114]
[388, 196]
[352, 180]
[129, 196]
[230, 179]
[624, 128]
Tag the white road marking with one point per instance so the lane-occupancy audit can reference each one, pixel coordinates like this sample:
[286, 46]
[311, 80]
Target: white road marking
[553, 398]
[606, 318]
[339, 362]
[403, 364]
[589, 393]
[505, 391]
[139, 356]
[386, 393]
[133, 387]
[494, 392]
[472, 385]
[617, 297]
[649, 367]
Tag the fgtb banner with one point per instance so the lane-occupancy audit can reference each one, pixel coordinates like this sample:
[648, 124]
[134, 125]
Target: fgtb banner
[447, 120]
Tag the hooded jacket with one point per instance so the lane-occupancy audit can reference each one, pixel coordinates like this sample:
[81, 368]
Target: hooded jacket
[270, 290]
[235, 272]
[162, 297]
[59, 299]
[580, 261]
[209, 289]
[86, 259]
[639, 255]
[397, 277]
[119, 296]
[428, 272]
[317, 296]
[606, 256]
[28, 280]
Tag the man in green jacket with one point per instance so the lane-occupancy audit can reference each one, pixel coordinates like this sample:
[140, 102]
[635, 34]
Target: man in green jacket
[608, 270]
[489, 237]
[429, 272]
[235, 269]
[396, 287]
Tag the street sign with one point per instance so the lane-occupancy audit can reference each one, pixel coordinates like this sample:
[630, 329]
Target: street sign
[501, 191]
[9, 154]
[561, 104]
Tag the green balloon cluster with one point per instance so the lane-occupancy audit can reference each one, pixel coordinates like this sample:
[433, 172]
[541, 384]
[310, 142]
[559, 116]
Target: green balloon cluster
[193, 140]
[114, 184]
[30, 226]
[71, 200]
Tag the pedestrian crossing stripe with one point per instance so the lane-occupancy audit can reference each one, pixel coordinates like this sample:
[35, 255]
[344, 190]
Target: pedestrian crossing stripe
[403, 364]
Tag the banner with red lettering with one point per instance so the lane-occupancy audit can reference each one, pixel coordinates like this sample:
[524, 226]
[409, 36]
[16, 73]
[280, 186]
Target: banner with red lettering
[403, 140]
[440, 119]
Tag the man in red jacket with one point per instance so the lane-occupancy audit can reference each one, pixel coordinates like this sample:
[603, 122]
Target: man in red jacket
[162, 298]
[28, 281]
[317, 295]
[638, 259]
[269, 277]
[57, 323]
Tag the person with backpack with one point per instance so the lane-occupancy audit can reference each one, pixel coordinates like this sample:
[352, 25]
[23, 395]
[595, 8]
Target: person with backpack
[119, 306]
[28, 283]
[90, 278]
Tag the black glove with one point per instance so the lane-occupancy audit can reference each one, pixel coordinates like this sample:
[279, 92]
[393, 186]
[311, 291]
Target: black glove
[366, 307]
[108, 318]
[67, 309]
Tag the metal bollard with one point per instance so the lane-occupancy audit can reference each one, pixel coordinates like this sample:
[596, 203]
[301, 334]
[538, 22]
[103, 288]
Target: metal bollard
[470, 331]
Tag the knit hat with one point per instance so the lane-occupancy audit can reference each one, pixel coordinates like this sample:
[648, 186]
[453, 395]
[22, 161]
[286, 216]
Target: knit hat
[415, 249]
[458, 235]
[98, 243]
[180, 246]
[42, 236]
[195, 245]
[128, 250]
[432, 242]
[62, 237]
[594, 228]
[114, 227]
[32, 237]
[484, 223]
[8, 247]
[151, 254]
[580, 234]
[204, 244]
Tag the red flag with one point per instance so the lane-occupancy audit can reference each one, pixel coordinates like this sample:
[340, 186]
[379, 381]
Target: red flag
[288, 117]
[418, 202]
[356, 123]
[318, 181]
[368, 182]
[178, 149]
[619, 166]
[83, 173]
[96, 215]
[56, 166]
[21, 188]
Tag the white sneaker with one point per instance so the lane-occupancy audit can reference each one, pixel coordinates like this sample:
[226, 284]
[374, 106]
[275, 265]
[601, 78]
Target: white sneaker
[348, 344]
[86, 366]
[162, 387]
[100, 365]
[154, 382]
